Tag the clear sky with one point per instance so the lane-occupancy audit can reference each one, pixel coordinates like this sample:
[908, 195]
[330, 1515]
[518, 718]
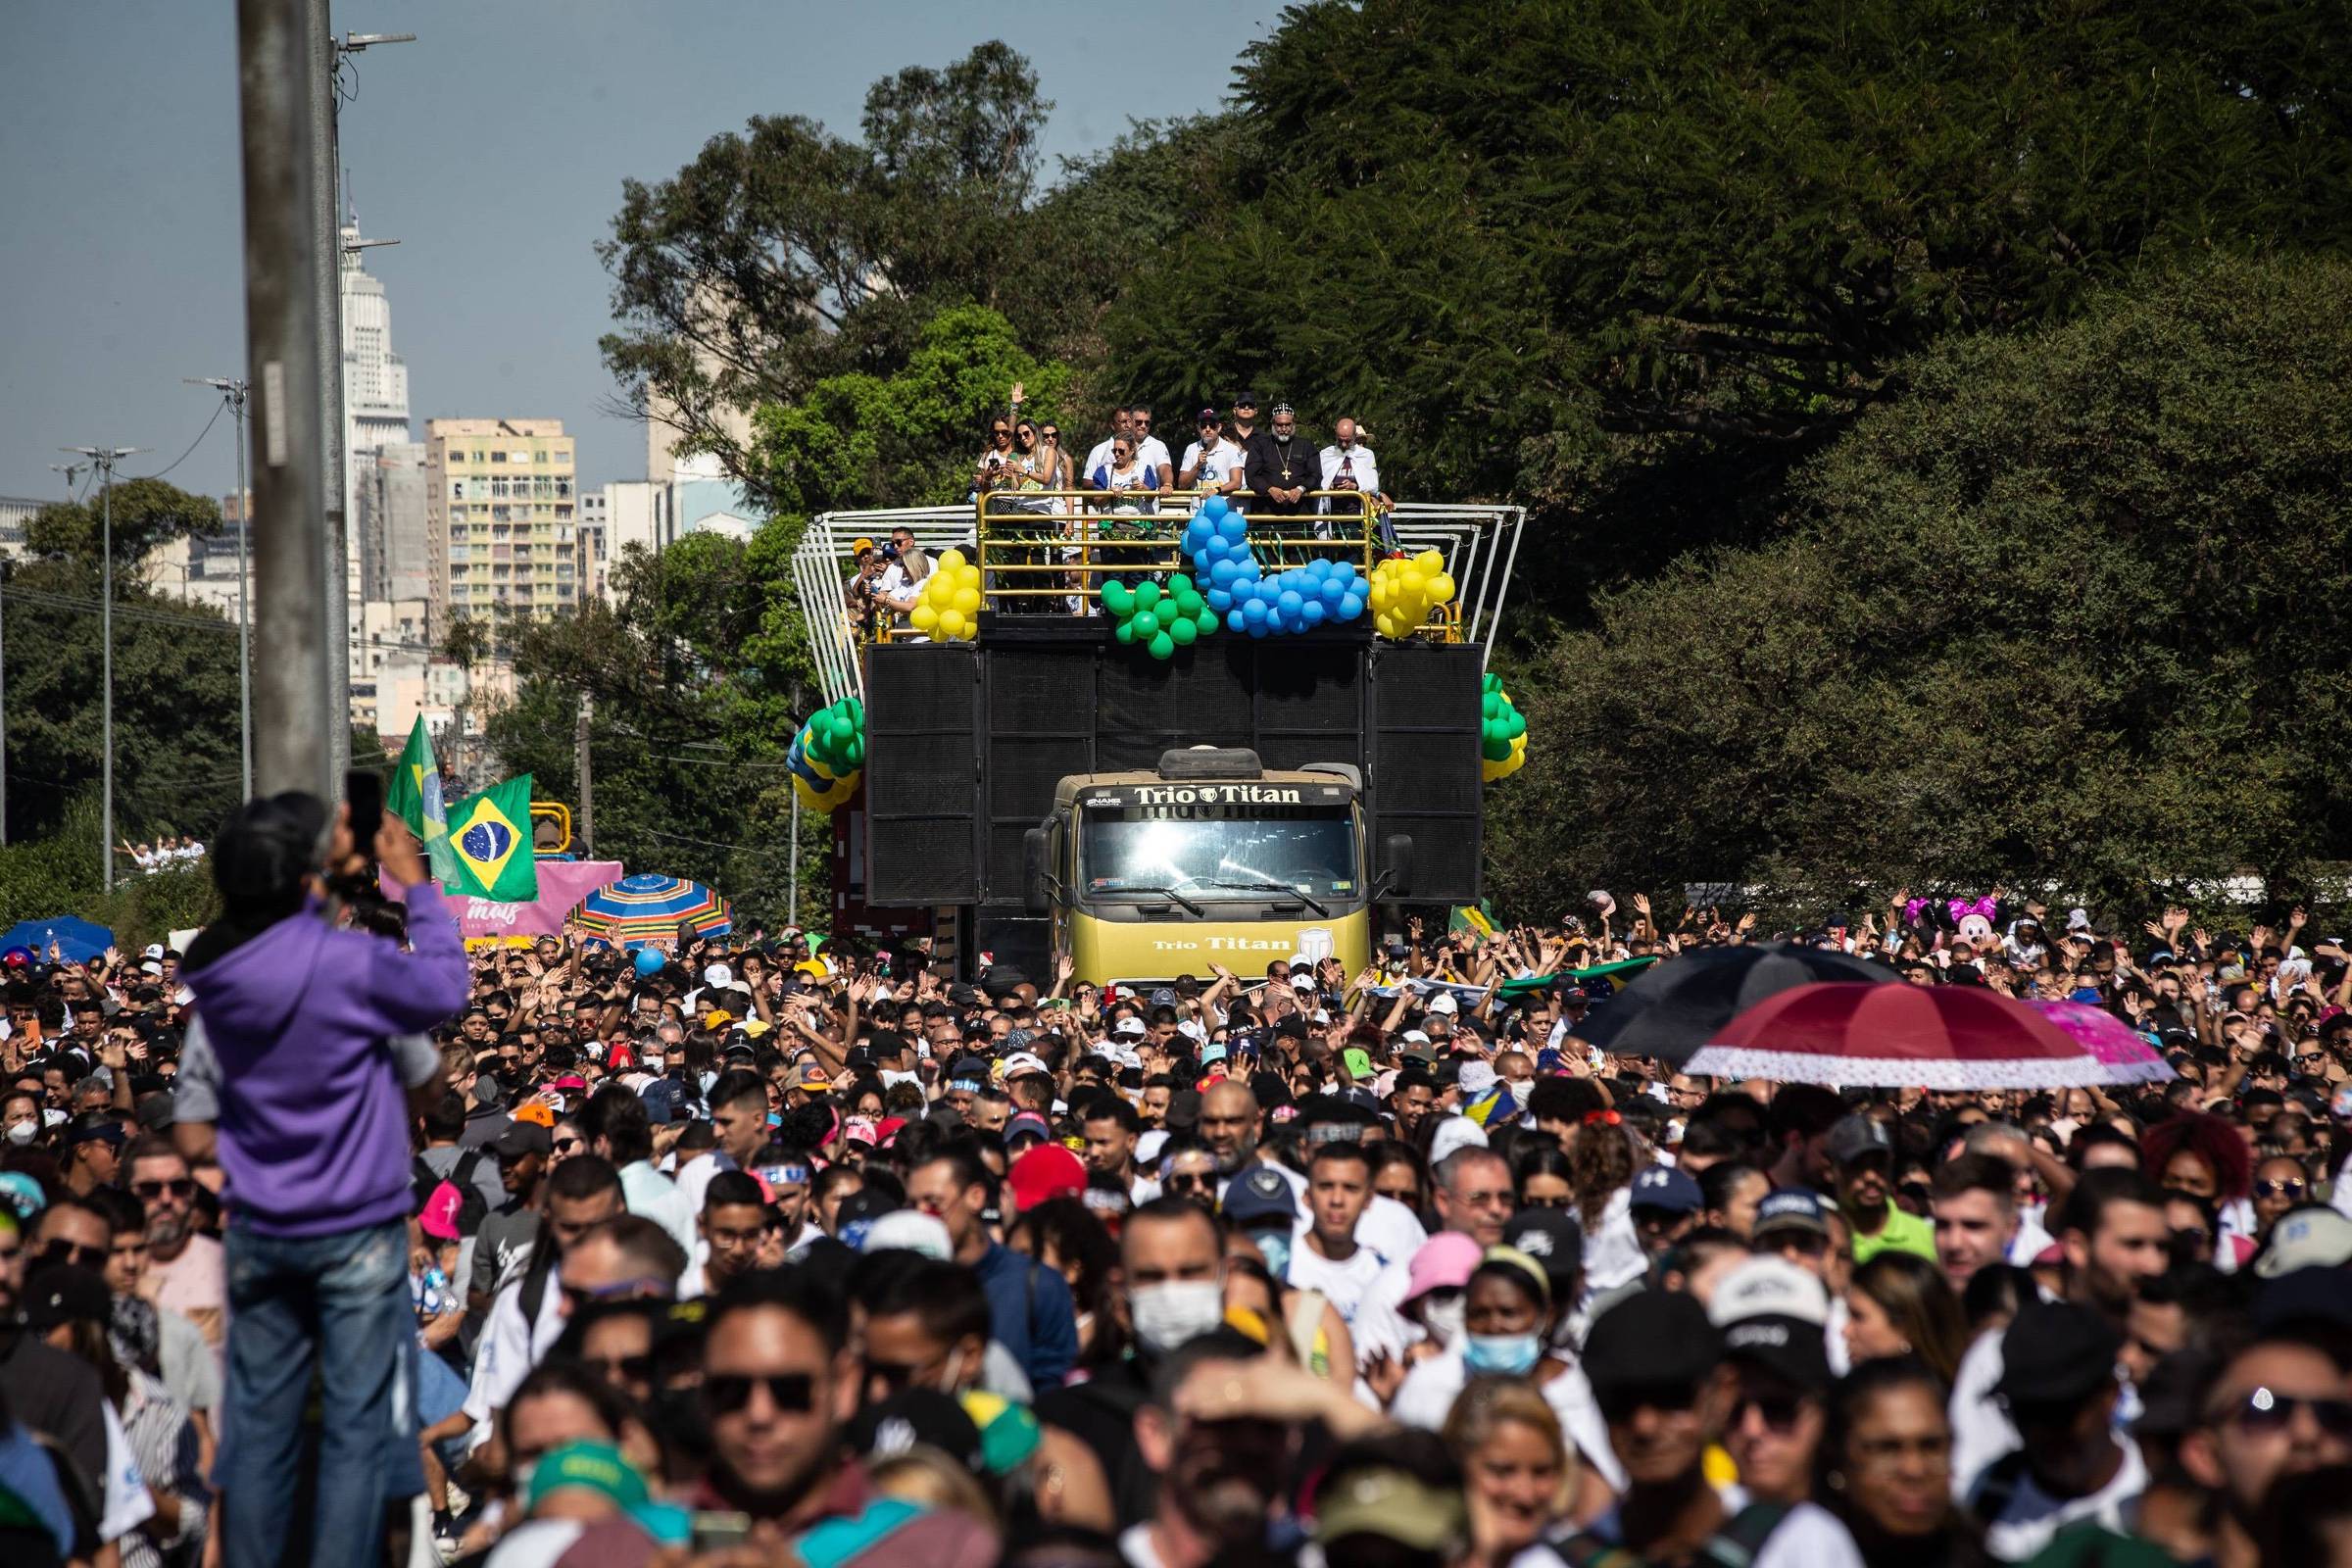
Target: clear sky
[493, 148]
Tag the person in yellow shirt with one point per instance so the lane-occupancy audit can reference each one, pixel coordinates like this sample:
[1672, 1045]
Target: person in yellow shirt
[1862, 1156]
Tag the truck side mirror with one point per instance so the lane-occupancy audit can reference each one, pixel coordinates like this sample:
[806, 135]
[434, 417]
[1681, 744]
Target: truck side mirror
[1033, 874]
[1396, 864]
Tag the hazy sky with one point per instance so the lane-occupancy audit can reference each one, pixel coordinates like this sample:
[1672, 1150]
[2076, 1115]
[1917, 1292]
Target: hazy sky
[493, 148]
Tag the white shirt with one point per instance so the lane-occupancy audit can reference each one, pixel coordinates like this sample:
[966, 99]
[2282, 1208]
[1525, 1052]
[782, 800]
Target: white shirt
[1613, 1252]
[1357, 462]
[1343, 1285]
[651, 1194]
[507, 1352]
[1982, 1430]
[2028, 1519]
[1430, 1389]
[128, 1503]
[1153, 452]
[1220, 462]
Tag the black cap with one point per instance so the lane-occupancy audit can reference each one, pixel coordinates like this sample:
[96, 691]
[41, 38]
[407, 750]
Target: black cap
[65, 1292]
[1243, 399]
[1553, 1237]
[94, 1124]
[1788, 1348]
[1651, 1338]
[2055, 1354]
[924, 1416]
[1856, 1137]
[1184, 1111]
[520, 1138]
[155, 1111]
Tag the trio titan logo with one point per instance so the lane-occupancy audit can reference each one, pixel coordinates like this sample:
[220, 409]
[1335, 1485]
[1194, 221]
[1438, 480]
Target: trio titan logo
[1216, 795]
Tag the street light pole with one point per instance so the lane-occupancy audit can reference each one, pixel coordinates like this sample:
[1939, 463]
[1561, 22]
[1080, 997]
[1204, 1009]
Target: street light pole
[234, 389]
[105, 458]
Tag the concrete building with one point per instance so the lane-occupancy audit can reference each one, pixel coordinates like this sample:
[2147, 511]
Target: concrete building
[635, 511]
[16, 513]
[389, 526]
[501, 530]
[375, 384]
[594, 518]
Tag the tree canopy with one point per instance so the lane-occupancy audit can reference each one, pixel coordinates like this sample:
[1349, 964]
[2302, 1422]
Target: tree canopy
[2064, 611]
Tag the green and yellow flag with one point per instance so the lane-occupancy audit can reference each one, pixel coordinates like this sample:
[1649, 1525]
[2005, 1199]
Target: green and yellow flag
[414, 796]
[490, 835]
[1615, 974]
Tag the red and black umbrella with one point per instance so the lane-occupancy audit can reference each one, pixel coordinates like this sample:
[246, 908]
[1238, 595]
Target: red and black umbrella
[1897, 1037]
[1683, 1002]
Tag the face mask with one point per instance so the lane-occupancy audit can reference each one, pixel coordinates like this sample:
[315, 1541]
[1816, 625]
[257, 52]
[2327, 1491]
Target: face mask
[24, 1132]
[1173, 1313]
[1275, 1246]
[1510, 1354]
[1444, 1320]
[892, 1080]
[653, 1064]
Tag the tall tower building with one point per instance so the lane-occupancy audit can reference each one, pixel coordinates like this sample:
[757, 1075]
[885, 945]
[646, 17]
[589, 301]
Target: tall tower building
[375, 385]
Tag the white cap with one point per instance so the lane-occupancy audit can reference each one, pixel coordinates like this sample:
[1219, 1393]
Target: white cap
[910, 1230]
[1300, 980]
[1131, 1027]
[1023, 1061]
[1191, 1029]
[1443, 1001]
[2310, 1238]
[1771, 1287]
[718, 976]
[1415, 1037]
[2077, 918]
[1453, 1134]
[1149, 1146]
[1474, 1077]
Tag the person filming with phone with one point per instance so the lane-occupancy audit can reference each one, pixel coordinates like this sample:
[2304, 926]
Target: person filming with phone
[315, 1099]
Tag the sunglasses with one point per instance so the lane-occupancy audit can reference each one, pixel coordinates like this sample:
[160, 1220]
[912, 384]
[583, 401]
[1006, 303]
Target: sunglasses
[791, 1392]
[2264, 1410]
[999, 430]
[580, 1298]
[1619, 1404]
[1051, 435]
[1185, 1182]
[1779, 1410]
[620, 1368]
[567, 1145]
[61, 1250]
[2292, 1187]
[177, 1186]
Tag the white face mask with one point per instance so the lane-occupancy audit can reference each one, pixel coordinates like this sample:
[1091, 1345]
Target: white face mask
[1175, 1312]
[1444, 1320]
[24, 1132]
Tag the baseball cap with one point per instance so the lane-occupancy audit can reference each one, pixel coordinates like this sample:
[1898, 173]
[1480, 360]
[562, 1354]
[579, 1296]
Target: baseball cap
[809, 1075]
[2308, 1238]
[1444, 1262]
[1475, 1078]
[1028, 1124]
[1663, 1186]
[22, 1196]
[1454, 1134]
[1358, 1060]
[1769, 1287]
[1553, 1237]
[916, 1416]
[1244, 399]
[1300, 980]
[586, 1465]
[900, 1230]
[1854, 1137]
[1046, 1172]
[1788, 1348]
[1262, 1193]
[1443, 1001]
[570, 1080]
[1791, 1208]
[2055, 1354]
[1387, 1504]
[536, 1113]
[439, 1216]
[520, 1138]
[1650, 1339]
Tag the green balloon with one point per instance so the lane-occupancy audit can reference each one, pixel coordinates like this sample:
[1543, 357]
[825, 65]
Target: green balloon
[1124, 631]
[1148, 595]
[1182, 631]
[1182, 583]
[1208, 621]
[1492, 750]
[1118, 598]
[1162, 645]
[1491, 705]
[1145, 622]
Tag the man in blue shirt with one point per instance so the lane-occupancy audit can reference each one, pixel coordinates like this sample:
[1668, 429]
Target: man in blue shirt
[1029, 1309]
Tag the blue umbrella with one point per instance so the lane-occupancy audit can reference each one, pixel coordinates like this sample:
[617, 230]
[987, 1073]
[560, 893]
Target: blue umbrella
[78, 940]
[647, 908]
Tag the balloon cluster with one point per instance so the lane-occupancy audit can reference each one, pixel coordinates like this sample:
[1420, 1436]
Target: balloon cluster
[1404, 592]
[828, 756]
[949, 607]
[1501, 733]
[1160, 620]
[1321, 592]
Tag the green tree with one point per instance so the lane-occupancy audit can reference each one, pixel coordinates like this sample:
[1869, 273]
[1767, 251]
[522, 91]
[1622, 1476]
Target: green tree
[2063, 612]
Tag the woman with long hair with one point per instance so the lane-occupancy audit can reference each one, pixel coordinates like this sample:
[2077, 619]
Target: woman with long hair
[1063, 1234]
[1541, 1174]
[1900, 1304]
[1601, 1161]
[1519, 1472]
[1885, 1468]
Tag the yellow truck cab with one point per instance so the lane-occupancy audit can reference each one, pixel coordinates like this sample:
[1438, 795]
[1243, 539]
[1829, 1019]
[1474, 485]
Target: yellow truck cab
[1210, 858]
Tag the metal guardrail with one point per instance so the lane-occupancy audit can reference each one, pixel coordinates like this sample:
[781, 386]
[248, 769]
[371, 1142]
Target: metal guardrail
[1479, 545]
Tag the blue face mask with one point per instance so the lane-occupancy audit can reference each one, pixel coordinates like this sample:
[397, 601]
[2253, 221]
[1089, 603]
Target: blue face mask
[1275, 1246]
[1507, 1355]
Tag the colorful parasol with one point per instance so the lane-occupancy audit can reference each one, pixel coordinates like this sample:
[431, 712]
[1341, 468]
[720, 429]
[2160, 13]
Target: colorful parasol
[2111, 1042]
[1897, 1036]
[648, 908]
[78, 941]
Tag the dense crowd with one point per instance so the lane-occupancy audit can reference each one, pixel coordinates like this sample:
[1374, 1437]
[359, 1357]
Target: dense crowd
[795, 1249]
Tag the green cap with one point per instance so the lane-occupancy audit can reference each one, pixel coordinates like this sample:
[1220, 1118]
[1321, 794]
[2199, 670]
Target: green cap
[595, 1466]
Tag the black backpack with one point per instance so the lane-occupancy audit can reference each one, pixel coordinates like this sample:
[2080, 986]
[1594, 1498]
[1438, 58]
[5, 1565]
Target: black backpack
[473, 1206]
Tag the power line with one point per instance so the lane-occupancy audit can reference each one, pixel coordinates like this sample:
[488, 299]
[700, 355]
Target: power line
[192, 446]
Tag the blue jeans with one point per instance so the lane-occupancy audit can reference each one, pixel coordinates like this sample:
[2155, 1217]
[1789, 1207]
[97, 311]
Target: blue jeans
[338, 1304]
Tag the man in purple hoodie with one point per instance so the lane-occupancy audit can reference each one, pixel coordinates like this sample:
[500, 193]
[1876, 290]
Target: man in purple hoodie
[316, 1103]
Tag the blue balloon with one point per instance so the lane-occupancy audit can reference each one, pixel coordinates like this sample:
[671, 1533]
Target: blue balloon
[1235, 620]
[1219, 600]
[1259, 628]
[1352, 607]
[1289, 603]
[1312, 612]
[1254, 613]
[1213, 508]
[1331, 593]
[1233, 526]
[1221, 573]
[1251, 570]
[646, 961]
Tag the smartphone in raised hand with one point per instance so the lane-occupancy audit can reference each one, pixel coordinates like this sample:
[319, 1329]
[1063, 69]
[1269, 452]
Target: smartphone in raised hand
[363, 794]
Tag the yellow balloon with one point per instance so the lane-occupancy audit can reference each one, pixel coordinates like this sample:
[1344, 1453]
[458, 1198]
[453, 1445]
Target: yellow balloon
[1441, 589]
[950, 625]
[950, 559]
[924, 617]
[967, 601]
[1430, 560]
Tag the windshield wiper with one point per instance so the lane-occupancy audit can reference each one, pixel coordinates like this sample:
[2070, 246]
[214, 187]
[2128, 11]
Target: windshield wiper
[1165, 893]
[1300, 894]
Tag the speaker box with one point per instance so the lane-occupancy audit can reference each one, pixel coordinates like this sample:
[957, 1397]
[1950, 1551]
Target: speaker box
[1424, 778]
[922, 763]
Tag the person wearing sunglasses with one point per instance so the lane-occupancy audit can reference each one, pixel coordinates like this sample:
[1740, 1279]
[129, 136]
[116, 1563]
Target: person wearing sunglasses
[2278, 1407]
[187, 1270]
[1660, 1378]
[1773, 1316]
[2280, 1184]
[779, 1384]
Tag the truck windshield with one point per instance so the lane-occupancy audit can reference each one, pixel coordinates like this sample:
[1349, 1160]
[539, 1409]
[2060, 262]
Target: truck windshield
[1204, 855]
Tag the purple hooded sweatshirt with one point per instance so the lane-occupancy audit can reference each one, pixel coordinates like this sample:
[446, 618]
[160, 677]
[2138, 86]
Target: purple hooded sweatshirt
[313, 1117]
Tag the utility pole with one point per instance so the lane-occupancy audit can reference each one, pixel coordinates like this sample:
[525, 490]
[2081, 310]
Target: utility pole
[235, 388]
[5, 564]
[327, 269]
[281, 49]
[105, 458]
[587, 833]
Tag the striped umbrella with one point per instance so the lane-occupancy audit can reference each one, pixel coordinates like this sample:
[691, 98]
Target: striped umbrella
[647, 908]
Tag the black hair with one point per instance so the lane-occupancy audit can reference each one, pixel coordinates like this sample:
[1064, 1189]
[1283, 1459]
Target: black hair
[731, 1189]
[582, 1176]
[801, 1291]
[735, 1085]
[948, 1297]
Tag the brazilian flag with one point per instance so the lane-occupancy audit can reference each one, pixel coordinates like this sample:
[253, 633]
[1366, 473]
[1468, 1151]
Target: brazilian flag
[414, 796]
[1614, 974]
[491, 835]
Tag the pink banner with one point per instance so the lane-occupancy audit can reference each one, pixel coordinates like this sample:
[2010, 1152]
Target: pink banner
[563, 884]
